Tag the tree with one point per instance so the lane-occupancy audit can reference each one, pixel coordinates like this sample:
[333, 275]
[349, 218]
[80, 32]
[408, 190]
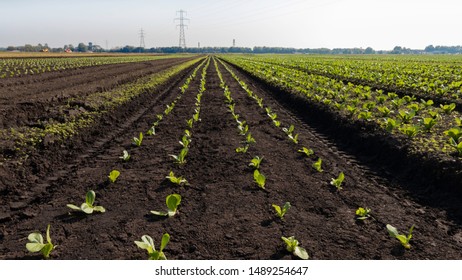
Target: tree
[82, 47]
[369, 50]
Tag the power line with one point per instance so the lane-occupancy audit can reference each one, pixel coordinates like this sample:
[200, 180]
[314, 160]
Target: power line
[182, 43]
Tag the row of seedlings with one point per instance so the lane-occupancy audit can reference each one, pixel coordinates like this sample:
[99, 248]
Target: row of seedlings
[36, 241]
[361, 212]
[292, 244]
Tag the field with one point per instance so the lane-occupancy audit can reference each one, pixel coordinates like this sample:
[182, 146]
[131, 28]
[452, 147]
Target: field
[390, 124]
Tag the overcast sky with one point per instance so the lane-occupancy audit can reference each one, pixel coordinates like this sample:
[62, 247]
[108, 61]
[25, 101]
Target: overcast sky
[380, 24]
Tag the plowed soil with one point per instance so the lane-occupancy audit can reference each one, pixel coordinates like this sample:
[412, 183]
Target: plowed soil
[223, 214]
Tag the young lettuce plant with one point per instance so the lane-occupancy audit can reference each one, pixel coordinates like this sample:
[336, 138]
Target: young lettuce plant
[113, 176]
[338, 181]
[172, 202]
[176, 180]
[151, 131]
[317, 165]
[87, 207]
[280, 212]
[36, 243]
[147, 244]
[292, 247]
[403, 239]
[306, 151]
[259, 178]
[181, 158]
[125, 156]
[363, 213]
[242, 149]
[139, 140]
[255, 162]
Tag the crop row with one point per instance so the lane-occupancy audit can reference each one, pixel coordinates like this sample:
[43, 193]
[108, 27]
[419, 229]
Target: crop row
[429, 128]
[32, 66]
[362, 214]
[36, 241]
[430, 78]
[23, 139]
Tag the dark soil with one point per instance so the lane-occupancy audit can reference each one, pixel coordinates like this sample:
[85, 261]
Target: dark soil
[223, 214]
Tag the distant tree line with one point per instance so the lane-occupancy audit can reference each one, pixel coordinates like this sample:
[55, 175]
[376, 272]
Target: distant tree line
[81, 47]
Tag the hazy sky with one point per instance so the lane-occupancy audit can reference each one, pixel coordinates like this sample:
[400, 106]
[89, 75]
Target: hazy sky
[379, 24]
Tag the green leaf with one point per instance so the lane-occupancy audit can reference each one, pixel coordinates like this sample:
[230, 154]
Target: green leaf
[35, 237]
[73, 207]
[48, 234]
[164, 242]
[301, 253]
[392, 230]
[159, 213]
[259, 178]
[113, 175]
[86, 208]
[277, 208]
[34, 247]
[172, 202]
[90, 198]
[46, 250]
[99, 209]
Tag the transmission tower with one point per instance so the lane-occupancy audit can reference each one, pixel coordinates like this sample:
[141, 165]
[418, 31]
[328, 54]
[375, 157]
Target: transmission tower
[182, 26]
[142, 45]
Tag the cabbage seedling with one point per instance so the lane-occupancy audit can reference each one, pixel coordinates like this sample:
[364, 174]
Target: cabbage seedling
[255, 162]
[172, 202]
[190, 123]
[362, 214]
[457, 146]
[242, 149]
[87, 207]
[176, 180]
[448, 108]
[292, 247]
[185, 141]
[137, 141]
[306, 151]
[125, 156]
[401, 237]
[338, 182]
[317, 165]
[113, 176]
[147, 244]
[249, 139]
[151, 131]
[36, 243]
[181, 158]
[280, 212]
[259, 178]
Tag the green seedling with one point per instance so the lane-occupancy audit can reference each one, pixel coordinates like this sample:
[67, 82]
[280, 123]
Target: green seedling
[249, 139]
[126, 156]
[113, 176]
[362, 214]
[428, 123]
[454, 133]
[176, 180]
[36, 243]
[147, 244]
[338, 182]
[187, 133]
[185, 141]
[317, 165]
[243, 128]
[181, 158]
[403, 239]
[292, 247]
[190, 123]
[172, 202]
[87, 207]
[390, 124]
[448, 108]
[409, 130]
[280, 212]
[255, 162]
[151, 131]
[277, 123]
[242, 149]
[306, 151]
[457, 146]
[294, 138]
[289, 130]
[139, 140]
[259, 178]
